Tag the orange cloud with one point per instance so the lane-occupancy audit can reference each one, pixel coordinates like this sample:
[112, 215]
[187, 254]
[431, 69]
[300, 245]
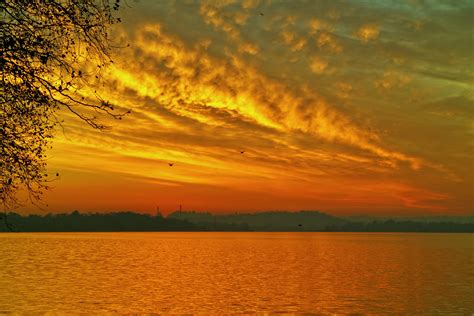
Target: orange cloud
[326, 41]
[368, 32]
[318, 65]
[392, 79]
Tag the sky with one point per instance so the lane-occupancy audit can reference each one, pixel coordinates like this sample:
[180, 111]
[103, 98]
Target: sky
[347, 107]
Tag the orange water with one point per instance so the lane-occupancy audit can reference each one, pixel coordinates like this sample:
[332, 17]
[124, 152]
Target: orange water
[227, 273]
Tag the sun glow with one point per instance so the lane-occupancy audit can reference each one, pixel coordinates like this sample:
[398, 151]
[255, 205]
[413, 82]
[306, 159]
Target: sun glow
[271, 111]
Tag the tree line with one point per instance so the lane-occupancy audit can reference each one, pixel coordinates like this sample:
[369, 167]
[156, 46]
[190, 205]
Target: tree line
[130, 221]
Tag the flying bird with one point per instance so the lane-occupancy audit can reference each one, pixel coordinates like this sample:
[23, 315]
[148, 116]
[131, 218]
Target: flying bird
[261, 14]
[171, 164]
[57, 174]
[242, 151]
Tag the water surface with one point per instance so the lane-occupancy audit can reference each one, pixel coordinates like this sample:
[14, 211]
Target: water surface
[215, 273]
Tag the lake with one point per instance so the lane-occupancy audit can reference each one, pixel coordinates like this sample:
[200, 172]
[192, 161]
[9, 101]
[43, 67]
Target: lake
[228, 273]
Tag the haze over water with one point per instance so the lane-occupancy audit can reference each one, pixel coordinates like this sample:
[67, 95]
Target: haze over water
[216, 273]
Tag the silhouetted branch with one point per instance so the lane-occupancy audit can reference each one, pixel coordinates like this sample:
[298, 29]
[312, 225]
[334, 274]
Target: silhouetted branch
[50, 50]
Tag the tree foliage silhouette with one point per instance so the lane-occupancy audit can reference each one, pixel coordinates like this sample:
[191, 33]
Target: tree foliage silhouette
[51, 50]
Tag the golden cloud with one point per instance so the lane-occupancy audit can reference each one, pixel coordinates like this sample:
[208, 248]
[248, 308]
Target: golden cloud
[318, 65]
[190, 82]
[327, 41]
[368, 32]
[392, 79]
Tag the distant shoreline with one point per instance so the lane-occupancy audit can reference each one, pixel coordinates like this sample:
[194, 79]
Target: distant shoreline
[229, 231]
[302, 221]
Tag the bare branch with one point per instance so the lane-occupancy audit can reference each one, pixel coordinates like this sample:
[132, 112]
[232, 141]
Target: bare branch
[45, 51]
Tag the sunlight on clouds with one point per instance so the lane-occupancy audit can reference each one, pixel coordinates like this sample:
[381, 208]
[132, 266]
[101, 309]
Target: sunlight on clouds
[368, 32]
[316, 25]
[231, 22]
[392, 79]
[293, 41]
[190, 82]
[290, 104]
[248, 48]
[326, 41]
[250, 4]
[318, 65]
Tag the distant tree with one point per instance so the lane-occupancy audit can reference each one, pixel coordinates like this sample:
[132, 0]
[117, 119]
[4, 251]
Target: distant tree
[51, 49]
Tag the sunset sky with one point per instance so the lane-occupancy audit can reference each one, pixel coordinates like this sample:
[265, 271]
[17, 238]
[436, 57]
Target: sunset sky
[348, 107]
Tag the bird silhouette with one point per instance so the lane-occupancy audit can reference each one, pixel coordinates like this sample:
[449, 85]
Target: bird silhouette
[57, 174]
[261, 14]
[171, 164]
[242, 151]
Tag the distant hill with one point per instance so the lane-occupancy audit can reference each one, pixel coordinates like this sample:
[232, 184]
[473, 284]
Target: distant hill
[404, 226]
[468, 219]
[264, 221]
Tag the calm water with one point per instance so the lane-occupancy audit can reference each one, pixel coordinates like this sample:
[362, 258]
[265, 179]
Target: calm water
[216, 273]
